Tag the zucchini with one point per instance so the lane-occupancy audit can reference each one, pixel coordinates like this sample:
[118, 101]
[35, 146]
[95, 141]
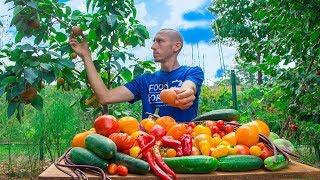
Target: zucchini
[223, 114]
[102, 146]
[135, 166]
[274, 163]
[82, 156]
[238, 163]
[192, 164]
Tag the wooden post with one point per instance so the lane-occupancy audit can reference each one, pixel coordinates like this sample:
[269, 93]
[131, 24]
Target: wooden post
[234, 90]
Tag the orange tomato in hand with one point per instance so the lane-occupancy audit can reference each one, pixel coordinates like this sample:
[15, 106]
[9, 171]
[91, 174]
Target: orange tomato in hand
[247, 135]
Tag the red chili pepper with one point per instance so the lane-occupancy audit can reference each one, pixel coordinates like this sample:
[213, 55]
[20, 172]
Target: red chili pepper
[156, 169]
[186, 142]
[160, 162]
[179, 151]
[146, 142]
[168, 141]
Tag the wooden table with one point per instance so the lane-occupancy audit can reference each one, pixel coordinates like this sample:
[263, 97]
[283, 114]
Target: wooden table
[294, 171]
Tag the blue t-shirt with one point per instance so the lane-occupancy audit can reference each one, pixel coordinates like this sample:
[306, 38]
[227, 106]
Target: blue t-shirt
[147, 88]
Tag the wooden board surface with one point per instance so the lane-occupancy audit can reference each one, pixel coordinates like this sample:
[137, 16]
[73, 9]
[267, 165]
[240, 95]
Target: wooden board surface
[294, 171]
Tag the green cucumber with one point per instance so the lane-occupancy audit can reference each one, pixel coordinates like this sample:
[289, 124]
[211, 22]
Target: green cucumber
[82, 156]
[238, 163]
[192, 164]
[274, 163]
[223, 114]
[135, 166]
[102, 146]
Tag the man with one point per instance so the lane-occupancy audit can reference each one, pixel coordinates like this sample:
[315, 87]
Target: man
[147, 87]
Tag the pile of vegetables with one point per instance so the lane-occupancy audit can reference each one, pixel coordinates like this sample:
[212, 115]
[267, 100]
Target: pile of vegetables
[165, 147]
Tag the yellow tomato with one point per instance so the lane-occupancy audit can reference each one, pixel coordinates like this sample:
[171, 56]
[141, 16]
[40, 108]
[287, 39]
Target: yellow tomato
[134, 151]
[200, 129]
[136, 134]
[231, 138]
[171, 153]
[216, 141]
[204, 146]
[255, 150]
[202, 137]
[220, 151]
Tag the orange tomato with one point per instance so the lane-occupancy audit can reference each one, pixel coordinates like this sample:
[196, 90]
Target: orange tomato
[171, 153]
[128, 124]
[147, 124]
[112, 169]
[200, 129]
[122, 170]
[177, 131]
[263, 128]
[247, 135]
[168, 96]
[166, 122]
[231, 138]
[79, 139]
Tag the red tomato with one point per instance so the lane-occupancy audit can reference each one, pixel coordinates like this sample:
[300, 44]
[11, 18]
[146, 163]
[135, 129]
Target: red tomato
[266, 152]
[192, 124]
[215, 129]
[106, 125]
[242, 149]
[112, 169]
[122, 170]
[228, 128]
[222, 133]
[210, 124]
[261, 145]
[158, 131]
[220, 124]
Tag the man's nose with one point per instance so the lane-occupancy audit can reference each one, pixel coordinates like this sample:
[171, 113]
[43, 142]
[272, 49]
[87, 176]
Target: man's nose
[153, 47]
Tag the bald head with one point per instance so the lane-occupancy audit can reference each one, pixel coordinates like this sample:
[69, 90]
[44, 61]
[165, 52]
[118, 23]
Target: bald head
[174, 35]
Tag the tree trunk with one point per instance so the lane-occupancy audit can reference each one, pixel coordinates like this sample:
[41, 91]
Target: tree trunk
[260, 71]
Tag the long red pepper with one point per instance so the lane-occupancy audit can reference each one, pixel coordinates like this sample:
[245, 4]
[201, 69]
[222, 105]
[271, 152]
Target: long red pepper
[156, 169]
[168, 141]
[157, 156]
[186, 142]
[146, 142]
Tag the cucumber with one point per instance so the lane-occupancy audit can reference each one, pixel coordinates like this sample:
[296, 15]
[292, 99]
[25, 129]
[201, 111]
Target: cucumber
[238, 163]
[274, 163]
[192, 164]
[82, 156]
[102, 146]
[135, 166]
[223, 114]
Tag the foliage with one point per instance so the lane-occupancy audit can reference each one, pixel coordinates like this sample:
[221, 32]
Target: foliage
[41, 53]
[279, 39]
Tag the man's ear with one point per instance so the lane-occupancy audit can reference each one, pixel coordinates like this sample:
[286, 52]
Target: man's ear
[177, 46]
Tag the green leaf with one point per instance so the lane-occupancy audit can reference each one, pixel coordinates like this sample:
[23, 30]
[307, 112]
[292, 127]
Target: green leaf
[61, 37]
[8, 80]
[18, 37]
[68, 10]
[92, 35]
[38, 38]
[37, 103]
[126, 74]
[111, 20]
[67, 63]
[11, 109]
[20, 113]
[30, 75]
[45, 66]
[2, 90]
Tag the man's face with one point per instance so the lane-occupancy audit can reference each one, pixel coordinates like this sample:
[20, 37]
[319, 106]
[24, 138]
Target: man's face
[162, 47]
